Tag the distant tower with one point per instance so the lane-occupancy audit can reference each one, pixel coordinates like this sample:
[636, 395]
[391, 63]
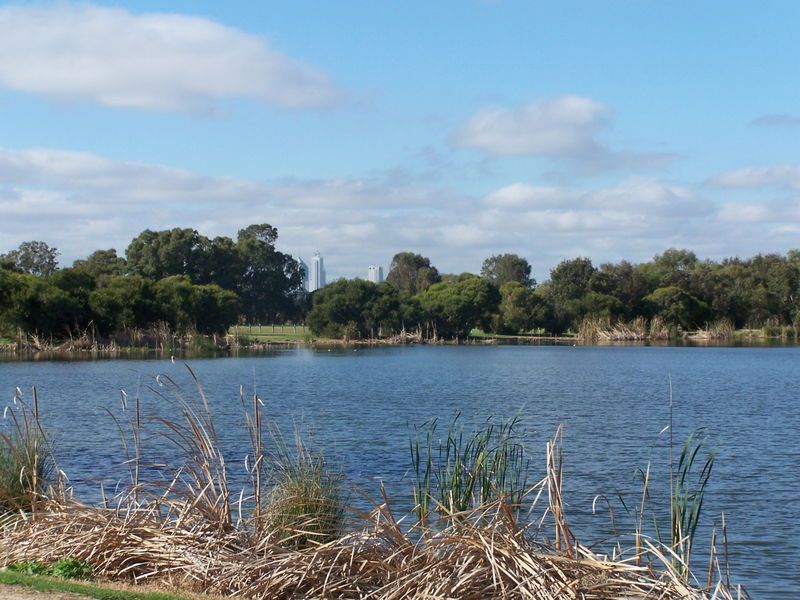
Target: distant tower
[374, 274]
[304, 269]
[317, 275]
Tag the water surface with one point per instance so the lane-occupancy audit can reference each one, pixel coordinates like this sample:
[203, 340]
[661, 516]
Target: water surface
[362, 404]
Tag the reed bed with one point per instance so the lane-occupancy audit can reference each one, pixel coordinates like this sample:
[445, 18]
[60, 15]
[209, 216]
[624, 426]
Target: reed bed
[193, 533]
[602, 329]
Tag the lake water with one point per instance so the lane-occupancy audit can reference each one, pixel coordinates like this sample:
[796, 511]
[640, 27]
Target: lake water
[362, 405]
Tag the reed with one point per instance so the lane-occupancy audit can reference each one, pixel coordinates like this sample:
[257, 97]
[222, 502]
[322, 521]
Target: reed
[465, 470]
[27, 464]
[603, 329]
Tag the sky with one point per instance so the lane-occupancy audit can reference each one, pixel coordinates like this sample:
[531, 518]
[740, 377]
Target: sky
[612, 129]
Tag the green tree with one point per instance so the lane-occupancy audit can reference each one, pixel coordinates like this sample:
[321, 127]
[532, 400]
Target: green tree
[344, 307]
[124, 303]
[452, 310]
[270, 281]
[516, 307]
[36, 258]
[160, 254]
[678, 307]
[102, 265]
[502, 268]
[569, 282]
[412, 273]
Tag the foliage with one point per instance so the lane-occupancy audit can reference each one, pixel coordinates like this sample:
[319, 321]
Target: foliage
[354, 307]
[504, 268]
[452, 309]
[516, 308]
[102, 265]
[30, 567]
[466, 471]
[71, 568]
[412, 273]
[36, 258]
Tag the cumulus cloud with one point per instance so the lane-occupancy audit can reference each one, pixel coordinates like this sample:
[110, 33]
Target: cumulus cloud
[776, 120]
[782, 176]
[151, 61]
[565, 127]
[80, 202]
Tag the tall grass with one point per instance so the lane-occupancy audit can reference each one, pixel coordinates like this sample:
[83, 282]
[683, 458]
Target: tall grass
[687, 499]
[27, 465]
[465, 470]
[304, 504]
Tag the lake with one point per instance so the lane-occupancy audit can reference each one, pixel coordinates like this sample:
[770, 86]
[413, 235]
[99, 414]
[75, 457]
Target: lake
[361, 405]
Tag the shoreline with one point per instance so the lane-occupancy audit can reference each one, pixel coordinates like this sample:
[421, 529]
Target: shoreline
[65, 350]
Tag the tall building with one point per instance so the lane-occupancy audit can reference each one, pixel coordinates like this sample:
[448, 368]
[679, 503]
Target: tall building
[374, 274]
[316, 278]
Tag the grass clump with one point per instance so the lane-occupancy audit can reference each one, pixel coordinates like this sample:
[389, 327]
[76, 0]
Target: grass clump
[466, 470]
[27, 465]
[304, 503]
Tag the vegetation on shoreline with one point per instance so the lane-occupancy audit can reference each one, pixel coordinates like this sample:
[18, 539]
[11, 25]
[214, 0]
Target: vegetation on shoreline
[470, 540]
[177, 288]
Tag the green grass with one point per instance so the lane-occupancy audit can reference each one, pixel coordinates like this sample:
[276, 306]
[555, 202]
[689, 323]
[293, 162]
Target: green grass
[272, 333]
[50, 584]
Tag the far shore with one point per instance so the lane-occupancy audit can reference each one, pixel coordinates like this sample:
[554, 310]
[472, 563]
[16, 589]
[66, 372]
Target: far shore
[234, 345]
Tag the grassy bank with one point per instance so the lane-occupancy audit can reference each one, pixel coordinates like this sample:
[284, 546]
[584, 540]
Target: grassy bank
[479, 528]
[90, 590]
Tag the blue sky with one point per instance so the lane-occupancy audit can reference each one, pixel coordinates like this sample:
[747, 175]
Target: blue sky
[613, 129]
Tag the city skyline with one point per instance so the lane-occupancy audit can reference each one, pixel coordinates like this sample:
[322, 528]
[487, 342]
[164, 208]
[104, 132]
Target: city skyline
[603, 129]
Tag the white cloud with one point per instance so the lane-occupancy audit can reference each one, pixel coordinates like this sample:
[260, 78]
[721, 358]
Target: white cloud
[784, 176]
[80, 202]
[151, 61]
[565, 127]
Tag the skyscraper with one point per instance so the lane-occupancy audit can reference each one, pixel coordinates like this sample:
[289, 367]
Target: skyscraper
[316, 278]
[374, 274]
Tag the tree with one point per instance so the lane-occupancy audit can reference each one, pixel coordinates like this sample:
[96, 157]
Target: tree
[160, 254]
[516, 307]
[270, 281]
[569, 282]
[452, 310]
[344, 308]
[36, 258]
[124, 303]
[678, 307]
[412, 273]
[102, 265]
[204, 308]
[502, 268]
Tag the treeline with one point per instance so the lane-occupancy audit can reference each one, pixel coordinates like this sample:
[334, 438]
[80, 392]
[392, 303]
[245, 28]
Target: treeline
[176, 279]
[187, 282]
[675, 287]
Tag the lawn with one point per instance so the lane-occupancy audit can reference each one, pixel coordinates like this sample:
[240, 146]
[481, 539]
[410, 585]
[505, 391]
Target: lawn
[92, 590]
